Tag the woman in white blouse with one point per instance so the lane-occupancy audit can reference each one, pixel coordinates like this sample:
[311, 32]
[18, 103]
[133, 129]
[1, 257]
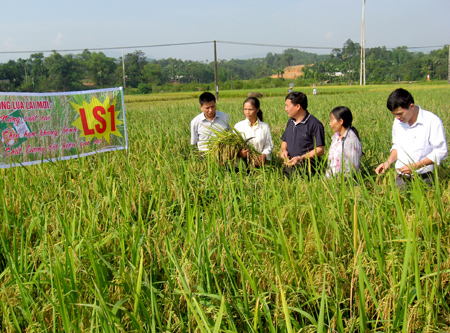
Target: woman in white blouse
[253, 127]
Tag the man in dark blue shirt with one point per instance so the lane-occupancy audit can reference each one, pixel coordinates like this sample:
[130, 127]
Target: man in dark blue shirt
[303, 140]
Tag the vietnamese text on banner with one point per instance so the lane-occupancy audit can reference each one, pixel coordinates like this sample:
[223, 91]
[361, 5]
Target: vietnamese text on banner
[43, 127]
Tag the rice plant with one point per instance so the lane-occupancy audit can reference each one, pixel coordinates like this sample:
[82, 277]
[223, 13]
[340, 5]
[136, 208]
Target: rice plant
[161, 241]
[224, 147]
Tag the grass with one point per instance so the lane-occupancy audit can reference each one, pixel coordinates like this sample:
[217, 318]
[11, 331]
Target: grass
[159, 241]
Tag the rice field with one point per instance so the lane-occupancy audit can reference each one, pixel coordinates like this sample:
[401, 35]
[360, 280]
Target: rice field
[161, 241]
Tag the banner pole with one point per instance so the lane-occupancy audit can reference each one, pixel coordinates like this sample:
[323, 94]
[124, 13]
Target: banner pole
[125, 121]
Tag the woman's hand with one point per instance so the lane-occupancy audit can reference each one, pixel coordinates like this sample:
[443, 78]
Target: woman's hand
[261, 160]
[243, 153]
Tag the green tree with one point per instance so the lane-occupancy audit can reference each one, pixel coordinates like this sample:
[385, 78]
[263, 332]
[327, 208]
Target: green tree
[38, 70]
[63, 73]
[288, 58]
[14, 72]
[152, 74]
[199, 73]
[101, 70]
[270, 59]
[134, 65]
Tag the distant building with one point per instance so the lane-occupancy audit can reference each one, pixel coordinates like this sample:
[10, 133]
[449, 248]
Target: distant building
[176, 79]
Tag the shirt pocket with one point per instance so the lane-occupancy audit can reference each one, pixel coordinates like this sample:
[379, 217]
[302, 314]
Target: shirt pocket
[419, 146]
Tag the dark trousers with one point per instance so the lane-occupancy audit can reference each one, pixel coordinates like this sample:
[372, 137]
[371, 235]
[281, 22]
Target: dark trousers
[403, 180]
[301, 170]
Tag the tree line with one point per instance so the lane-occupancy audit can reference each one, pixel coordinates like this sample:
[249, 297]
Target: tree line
[89, 70]
[382, 65]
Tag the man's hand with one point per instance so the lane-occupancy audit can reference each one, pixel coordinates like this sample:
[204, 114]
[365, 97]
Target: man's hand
[382, 168]
[407, 169]
[410, 168]
[293, 161]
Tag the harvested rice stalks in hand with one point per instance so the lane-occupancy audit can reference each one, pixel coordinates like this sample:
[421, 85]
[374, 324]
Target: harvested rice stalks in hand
[226, 145]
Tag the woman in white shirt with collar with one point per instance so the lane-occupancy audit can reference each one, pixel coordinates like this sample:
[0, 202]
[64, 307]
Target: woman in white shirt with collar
[253, 127]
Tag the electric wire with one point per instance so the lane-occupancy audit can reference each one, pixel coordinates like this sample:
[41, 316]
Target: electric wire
[202, 42]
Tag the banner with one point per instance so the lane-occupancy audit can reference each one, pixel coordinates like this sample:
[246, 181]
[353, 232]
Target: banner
[44, 127]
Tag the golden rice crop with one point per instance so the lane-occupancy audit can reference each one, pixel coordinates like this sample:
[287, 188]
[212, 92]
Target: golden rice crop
[158, 240]
[224, 147]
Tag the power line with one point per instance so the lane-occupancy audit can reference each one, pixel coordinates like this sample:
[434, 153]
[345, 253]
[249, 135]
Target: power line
[107, 48]
[418, 47]
[321, 47]
[196, 43]
[276, 45]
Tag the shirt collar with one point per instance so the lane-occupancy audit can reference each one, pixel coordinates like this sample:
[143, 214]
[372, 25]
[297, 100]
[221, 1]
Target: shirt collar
[419, 117]
[215, 117]
[346, 133]
[255, 125]
[343, 137]
[304, 120]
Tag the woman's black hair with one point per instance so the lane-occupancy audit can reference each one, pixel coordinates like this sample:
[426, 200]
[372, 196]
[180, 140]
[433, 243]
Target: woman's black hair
[255, 102]
[344, 113]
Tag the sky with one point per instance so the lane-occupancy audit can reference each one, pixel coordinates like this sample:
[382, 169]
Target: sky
[29, 25]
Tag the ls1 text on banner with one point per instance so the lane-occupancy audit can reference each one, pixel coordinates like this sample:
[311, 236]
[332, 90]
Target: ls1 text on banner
[43, 127]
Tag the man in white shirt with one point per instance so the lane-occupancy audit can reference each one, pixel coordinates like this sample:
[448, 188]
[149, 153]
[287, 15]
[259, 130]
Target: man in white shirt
[202, 124]
[418, 139]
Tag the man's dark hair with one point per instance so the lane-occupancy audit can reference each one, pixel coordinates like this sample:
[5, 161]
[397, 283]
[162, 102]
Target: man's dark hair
[206, 97]
[298, 97]
[399, 98]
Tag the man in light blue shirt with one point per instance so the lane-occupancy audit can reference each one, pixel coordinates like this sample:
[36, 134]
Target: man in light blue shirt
[202, 124]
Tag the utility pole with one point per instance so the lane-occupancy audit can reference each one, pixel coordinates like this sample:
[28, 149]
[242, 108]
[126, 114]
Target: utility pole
[25, 66]
[362, 72]
[448, 63]
[123, 70]
[216, 82]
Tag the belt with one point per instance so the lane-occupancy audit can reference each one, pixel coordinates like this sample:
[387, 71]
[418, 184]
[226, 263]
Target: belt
[425, 175]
